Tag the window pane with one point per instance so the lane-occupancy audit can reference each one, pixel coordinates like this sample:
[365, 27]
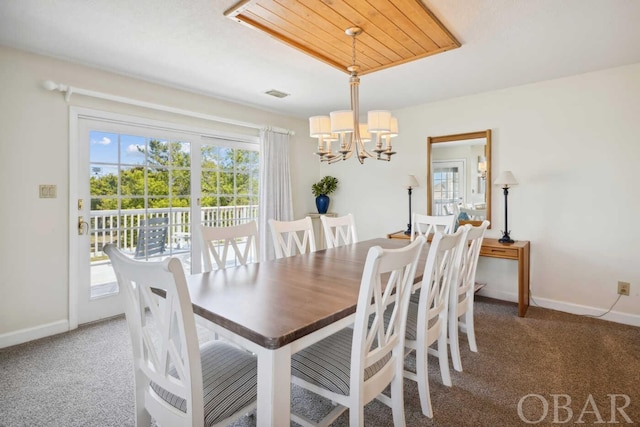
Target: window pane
[209, 182]
[132, 203]
[132, 149]
[226, 183]
[226, 157]
[209, 201]
[103, 180]
[103, 147]
[158, 206]
[226, 201]
[158, 152]
[180, 154]
[132, 181]
[158, 181]
[181, 182]
[99, 204]
[243, 182]
[181, 202]
[209, 156]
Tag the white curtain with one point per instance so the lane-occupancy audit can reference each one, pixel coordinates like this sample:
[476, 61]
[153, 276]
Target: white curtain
[275, 187]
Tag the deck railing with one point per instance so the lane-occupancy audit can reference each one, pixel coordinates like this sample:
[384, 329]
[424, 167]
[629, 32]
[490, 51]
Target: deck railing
[122, 227]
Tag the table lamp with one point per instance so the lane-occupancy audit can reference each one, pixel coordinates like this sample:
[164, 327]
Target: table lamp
[410, 183]
[505, 179]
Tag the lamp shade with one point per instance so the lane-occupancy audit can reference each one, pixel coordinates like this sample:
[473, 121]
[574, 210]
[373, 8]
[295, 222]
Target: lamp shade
[341, 121]
[319, 126]
[505, 179]
[364, 133]
[411, 182]
[379, 121]
[393, 131]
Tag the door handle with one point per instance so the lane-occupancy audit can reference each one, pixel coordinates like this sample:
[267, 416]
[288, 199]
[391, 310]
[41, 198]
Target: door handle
[83, 226]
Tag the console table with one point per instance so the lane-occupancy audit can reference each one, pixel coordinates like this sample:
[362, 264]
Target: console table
[518, 251]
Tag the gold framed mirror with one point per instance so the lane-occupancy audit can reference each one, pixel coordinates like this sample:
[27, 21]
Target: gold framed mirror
[459, 176]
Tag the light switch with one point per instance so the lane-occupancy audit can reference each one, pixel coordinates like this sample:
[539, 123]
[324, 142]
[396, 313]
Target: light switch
[48, 191]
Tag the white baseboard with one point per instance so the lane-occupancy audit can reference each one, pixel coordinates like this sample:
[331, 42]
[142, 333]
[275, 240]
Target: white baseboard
[612, 316]
[492, 293]
[30, 334]
[567, 307]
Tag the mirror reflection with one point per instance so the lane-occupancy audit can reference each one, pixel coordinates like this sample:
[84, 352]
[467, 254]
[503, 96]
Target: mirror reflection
[459, 177]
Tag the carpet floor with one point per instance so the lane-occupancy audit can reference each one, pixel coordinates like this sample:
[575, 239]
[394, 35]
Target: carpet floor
[549, 368]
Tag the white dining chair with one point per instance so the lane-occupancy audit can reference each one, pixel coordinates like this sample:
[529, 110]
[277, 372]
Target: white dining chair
[427, 320]
[354, 365]
[423, 225]
[292, 237]
[216, 241]
[339, 231]
[178, 383]
[462, 294]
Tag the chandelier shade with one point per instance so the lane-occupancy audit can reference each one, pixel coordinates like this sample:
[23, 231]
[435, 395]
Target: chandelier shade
[379, 121]
[364, 133]
[319, 126]
[393, 132]
[342, 121]
[344, 126]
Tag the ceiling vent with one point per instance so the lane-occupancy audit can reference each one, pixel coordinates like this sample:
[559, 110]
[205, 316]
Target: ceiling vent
[277, 93]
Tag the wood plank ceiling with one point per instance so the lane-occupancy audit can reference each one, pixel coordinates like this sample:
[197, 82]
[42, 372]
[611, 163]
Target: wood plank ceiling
[394, 31]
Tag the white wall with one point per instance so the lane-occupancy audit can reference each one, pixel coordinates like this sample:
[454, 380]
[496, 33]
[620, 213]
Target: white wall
[34, 149]
[574, 146]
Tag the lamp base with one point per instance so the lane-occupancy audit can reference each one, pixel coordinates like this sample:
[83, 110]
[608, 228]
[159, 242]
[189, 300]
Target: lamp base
[408, 230]
[506, 238]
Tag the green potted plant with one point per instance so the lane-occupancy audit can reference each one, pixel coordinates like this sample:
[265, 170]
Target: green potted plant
[321, 191]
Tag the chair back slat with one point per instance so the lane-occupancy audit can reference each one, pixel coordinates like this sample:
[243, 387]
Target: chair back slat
[423, 225]
[292, 237]
[216, 241]
[339, 231]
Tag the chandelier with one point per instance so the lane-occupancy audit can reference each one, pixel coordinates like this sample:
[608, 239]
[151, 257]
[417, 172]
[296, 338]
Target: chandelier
[344, 126]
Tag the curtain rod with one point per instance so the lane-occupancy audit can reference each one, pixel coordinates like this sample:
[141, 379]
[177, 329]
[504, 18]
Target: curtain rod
[69, 90]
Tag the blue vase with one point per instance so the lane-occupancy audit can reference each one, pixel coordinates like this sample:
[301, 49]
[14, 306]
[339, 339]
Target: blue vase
[322, 203]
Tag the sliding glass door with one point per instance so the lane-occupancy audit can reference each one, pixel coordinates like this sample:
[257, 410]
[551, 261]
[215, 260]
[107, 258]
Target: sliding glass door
[146, 188]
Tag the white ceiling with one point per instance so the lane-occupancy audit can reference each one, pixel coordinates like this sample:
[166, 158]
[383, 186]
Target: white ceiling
[189, 44]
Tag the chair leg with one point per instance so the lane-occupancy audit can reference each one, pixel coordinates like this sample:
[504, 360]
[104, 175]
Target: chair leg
[397, 399]
[471, 331]
[454, 344]
[422, 377]
[443, 358]
[356, 416]
[143, 418]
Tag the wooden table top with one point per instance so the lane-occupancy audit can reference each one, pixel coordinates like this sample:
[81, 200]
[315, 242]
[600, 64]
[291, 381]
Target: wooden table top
[274, 303]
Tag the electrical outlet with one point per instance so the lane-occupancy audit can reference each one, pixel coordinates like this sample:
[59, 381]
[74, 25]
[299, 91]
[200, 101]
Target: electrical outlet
[624, 288]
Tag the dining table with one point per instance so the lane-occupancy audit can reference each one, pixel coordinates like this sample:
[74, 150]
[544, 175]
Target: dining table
[276, 308]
